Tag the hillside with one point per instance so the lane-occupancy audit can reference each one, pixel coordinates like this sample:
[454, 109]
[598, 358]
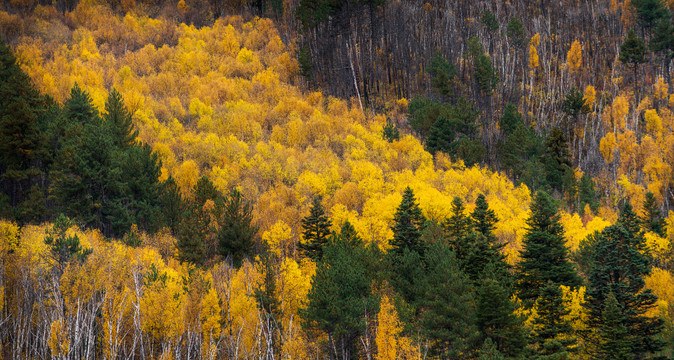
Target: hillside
[164, 195]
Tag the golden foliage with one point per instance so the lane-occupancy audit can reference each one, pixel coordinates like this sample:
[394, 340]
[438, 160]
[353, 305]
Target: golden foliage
[574, 57]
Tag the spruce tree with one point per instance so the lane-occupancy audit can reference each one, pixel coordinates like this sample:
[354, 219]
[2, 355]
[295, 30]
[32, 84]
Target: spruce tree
[557, 161]
[340, 296]
[633, 53]
[544, 255]
[237, 230]
[587, 194]
[613, 335]
[618, 263]
[23, 143]
[407, 226]
[497, 320]
[442, 74]
[316, 231]
[448, 316]
[390, 132]
[483, 218]
[441, 136]
[553, 335]
[456, 227]
[652, 219]
[118, 121]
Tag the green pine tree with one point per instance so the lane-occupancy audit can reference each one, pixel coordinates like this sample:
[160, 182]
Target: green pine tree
[456, 227]
[618, 263]
[587, 194]
[483, 218]
[442, 75]
[633, 53]
[544, 256]
[557, 161]
[237, 230]
[448, 317]
[390, 132]
[553, 335]
[614, 336]
[118, 120]
[489, 20]
[652, 219]
[407, 226]
[316, 227]
[497, 320]
[340, 297]
[64, 247]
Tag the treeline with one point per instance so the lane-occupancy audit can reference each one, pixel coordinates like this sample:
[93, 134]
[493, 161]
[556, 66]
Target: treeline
[441, 290]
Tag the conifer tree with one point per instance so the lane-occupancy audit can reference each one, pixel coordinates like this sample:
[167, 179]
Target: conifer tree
[408, 222]
[544, 255]
[553, 334]
[118, 121]
[496, 318]
[483, 218]
[390, 131]
[316, 231]
[587, 194]
[633, 53]
[613, 335]
[619, 261]
[651, 219]
[340, 297]
[456, 227]
[237, 230]
[22, 142]
[557, 161]
[448, 316]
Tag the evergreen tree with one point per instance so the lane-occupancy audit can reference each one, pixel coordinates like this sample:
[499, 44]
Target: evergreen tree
[652, 219]
[442, 75]
[424, 112]
[441, 136]
[557, 161]
[193, 230]
[81, 172]
[489, 20]
[613, 335]
[633, 53]
[553, 335]
[340, 297]
[171, 204]
[390, 131]
[64, 247]
[237, 230]
[488, 351]
[448, 316]
[650, 12]
[574, 103]
[23, 143]
[486, 74]
[497, 320]
[407, 226]
[510, 120]
[587, 194]
[118, 121]
[316, 231]
[544, 255]
[516, 33]
[456, 227]
[618, 263]
[483, 218]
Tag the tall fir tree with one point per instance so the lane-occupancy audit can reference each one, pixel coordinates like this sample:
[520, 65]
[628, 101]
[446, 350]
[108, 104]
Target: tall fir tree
[448, 315]
[316, 231]
[619, 261]
[497, 320]
[23, 141]
[483, 218]
[613, 334]
[557, 161]
[407, 225]
[456, 227]
[633, 53]
[237, 229]
[652, 219]
[553, 335]
[340, 296]
[118, 121]
[544, 256]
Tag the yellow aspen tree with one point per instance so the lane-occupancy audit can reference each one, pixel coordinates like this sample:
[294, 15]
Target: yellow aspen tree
[661, 89]
[533, 52]
[59, 342]
[390, 345]
[590, 96]
[210, 324]
[574, 57]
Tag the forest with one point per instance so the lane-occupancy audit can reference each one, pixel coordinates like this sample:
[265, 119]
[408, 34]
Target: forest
[336, 179]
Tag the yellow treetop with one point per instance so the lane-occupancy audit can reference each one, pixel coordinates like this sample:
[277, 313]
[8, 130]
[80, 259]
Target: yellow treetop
[574, 57]
[661, 89]
[590, 96]
[533, 57]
